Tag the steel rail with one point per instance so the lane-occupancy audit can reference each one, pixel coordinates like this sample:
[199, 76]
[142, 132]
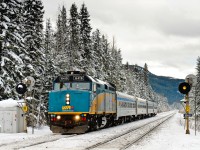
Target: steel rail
[145, 134]
[128, 132]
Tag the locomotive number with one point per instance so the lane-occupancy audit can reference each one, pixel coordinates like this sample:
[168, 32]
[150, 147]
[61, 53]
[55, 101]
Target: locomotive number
[78, 78]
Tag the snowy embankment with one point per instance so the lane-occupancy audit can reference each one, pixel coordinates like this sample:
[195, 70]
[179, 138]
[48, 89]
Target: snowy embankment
[171, 135]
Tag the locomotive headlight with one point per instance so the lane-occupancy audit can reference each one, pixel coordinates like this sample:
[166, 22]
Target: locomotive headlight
[58, 117]
[77, 117]
[67, 99]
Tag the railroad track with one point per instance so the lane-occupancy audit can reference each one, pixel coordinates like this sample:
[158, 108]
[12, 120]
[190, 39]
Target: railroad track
[128, 138]
[33, 141]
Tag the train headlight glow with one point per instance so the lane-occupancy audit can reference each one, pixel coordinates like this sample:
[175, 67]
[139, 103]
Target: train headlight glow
[77, 117]
[58, 117]
[67, 99]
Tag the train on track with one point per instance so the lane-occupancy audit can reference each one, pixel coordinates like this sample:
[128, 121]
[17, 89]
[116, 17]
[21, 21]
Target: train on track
[79, 103]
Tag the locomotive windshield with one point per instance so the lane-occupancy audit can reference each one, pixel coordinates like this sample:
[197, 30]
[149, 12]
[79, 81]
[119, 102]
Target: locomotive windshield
[72, 80]
[72, 85]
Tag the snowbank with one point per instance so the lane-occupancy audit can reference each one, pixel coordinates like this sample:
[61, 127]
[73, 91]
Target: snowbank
[9, 103]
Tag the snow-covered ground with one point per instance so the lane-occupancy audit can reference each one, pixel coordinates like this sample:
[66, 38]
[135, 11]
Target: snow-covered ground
[14, 137]
[169, 136]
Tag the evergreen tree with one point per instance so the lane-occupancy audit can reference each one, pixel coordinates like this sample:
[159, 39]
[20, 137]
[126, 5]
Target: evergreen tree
[98, 53]
[33, 35]
[120, 75]
[197, 93]
[62, 42]
[146, 80]
[106, 58]
[130, 86]
[58, 46]
[11, 48]
[117, 75]
[146, 83]
[50, 70]
[74, 39]
[49, 45]
[162, 103]
[85, 40]
[112, 75]
[64, 29]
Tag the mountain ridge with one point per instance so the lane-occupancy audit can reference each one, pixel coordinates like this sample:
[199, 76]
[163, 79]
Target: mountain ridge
[164, 85]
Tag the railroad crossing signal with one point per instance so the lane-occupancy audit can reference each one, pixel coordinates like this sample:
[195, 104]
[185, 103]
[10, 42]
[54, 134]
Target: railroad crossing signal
[184, 87]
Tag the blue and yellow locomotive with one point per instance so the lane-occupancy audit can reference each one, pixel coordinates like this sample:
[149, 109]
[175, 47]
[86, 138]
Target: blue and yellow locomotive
[80, 103]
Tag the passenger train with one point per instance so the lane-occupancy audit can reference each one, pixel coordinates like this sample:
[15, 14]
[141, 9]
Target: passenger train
[79, 103]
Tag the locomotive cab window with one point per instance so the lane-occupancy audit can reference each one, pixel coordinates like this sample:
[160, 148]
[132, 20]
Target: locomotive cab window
[76, 85]
[56, 86]
[81, 85]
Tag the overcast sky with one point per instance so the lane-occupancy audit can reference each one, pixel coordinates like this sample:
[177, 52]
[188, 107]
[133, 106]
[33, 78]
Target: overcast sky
[165, 34]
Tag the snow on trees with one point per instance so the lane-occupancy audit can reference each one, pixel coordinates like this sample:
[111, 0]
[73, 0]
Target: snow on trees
[27, 50]
[85, 40]
[74, 40]
[61, 51]
[197, 93]
[33, 36]
[11, 47]
[49, 45]
[98, 54]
